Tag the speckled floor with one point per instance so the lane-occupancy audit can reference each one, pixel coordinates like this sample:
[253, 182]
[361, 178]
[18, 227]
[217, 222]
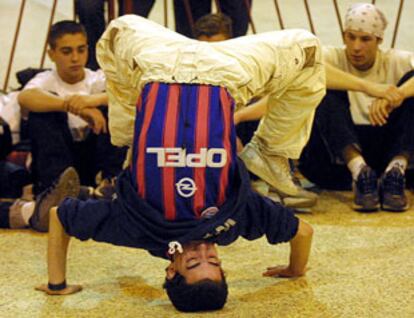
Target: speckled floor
[362, 265]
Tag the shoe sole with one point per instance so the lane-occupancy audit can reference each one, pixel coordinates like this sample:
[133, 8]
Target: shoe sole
[393, 209]
[364, 209]
[258, 171]
[68, 185]
[299, 203]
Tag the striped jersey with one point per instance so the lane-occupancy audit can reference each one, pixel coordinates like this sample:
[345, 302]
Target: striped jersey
[184, 150]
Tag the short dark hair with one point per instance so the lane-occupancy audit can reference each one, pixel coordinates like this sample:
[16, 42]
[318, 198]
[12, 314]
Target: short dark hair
[62, 28]
[201, 296]
[213, 24]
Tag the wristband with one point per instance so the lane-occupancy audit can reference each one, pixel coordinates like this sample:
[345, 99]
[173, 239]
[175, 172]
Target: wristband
[57, 287]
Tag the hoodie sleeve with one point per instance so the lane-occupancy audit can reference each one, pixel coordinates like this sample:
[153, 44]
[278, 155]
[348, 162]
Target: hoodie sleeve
[265, 217]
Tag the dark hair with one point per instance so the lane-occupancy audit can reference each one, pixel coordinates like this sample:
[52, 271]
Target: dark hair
[201, 296]
[213, 24]
[62, 28]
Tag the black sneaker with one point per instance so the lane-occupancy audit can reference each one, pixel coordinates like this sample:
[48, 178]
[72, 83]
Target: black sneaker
[67, 185]
[366, 197]
[393, 196]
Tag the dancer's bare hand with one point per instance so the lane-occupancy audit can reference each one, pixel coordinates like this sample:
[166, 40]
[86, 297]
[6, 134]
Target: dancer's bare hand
[283, 271]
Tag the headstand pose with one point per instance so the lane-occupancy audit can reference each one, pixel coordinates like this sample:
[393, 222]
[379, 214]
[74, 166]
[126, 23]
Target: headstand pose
[184, 190]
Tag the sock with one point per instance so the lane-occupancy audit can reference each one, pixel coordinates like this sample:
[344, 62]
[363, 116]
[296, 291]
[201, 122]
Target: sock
[27, 211]
[400, 162]
[355, 166]
[19, 214]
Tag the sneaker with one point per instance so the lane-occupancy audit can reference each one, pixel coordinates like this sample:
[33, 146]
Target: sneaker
[260, 187]
[301, 203]
[67, 185]
[105, 190]
[275, 170]
[366, 197]
[393, 196]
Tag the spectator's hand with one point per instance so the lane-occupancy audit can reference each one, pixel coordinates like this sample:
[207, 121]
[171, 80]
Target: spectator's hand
[70, 289]
[282, 271]
[379, 111]
[75, 103]
[389, 92]
[95, 120]
[394, 96]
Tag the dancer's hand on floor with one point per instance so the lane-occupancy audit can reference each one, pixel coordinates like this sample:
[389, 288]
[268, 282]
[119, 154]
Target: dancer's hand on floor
[283, 271]
[70, 289]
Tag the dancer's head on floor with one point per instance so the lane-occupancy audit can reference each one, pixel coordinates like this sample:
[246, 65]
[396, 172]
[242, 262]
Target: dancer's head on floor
[195, 280]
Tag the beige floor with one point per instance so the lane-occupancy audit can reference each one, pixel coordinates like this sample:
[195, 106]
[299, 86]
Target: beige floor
[362, 265]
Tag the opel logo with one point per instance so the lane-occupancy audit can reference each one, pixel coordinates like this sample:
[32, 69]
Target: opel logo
[186, 187]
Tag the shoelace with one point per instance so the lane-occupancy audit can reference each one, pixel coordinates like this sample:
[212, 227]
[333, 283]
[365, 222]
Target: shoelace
[47, 190]
[394, 183]
[367, 182]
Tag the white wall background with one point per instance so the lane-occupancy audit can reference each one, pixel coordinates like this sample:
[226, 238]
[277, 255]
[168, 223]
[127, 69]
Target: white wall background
[37, 14]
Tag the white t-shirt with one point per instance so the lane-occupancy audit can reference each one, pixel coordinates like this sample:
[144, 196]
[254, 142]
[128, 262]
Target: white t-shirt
[389, 67]
[10, 112]
[93, 83]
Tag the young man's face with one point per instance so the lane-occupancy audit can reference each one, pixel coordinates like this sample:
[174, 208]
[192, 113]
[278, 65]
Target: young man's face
[70, 56]
[198, 261]
[361, 48]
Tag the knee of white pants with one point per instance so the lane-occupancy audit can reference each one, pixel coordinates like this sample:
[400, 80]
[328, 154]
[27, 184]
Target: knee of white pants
[286, 127]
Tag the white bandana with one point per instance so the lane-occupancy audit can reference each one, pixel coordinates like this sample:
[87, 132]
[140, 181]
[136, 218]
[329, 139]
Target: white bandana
[365, 17]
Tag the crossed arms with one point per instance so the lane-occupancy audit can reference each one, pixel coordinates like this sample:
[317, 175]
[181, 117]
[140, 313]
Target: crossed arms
[38, 100]
[388, 97]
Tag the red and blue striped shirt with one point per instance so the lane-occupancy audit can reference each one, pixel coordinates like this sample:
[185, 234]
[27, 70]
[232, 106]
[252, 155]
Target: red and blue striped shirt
[184, 150]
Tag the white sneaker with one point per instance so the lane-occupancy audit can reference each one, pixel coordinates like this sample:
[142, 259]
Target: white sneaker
[263, 188]
[275, 170]
[301, 203]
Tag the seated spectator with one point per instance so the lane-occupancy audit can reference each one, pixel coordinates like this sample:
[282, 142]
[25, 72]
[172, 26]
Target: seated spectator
[372, 136]
[59, 102]
[218, 27]
[12, 176]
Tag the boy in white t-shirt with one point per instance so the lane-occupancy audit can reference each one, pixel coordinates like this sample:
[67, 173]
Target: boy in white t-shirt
[65, 104]
[372, 136]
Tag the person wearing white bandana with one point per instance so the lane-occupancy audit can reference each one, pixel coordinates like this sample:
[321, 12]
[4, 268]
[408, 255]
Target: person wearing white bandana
[366, 118]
